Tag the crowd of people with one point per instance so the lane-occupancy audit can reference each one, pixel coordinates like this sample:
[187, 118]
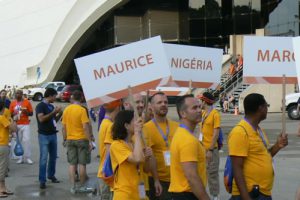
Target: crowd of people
[150, 155]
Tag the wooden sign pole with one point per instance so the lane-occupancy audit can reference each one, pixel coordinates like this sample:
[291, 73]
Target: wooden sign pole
[283, 105]
[190, 87]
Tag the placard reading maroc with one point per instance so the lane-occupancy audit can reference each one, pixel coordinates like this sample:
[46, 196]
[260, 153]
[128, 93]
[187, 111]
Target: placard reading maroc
[105, 76]
[200, 65]
[267, 59]
[296, 45]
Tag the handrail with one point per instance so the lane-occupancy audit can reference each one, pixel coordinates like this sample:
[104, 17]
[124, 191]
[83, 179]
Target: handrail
[237, 77]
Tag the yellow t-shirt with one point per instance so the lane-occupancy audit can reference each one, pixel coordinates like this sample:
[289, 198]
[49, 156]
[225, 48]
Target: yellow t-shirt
[258, 169]
[126, 175]
[185, 147]
[4, 131]
[104, 137]
[74, 116]
[155, 140]
[7, 114]
[144, 176]
[211, 122]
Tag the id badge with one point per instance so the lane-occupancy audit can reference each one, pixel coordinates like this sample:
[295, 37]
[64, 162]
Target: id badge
[200, 137]
[167, 158]
[142, 191]
[54, 123]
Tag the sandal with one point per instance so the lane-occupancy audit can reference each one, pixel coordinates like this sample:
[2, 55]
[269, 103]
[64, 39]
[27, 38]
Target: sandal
[3, 195]
[7, 192]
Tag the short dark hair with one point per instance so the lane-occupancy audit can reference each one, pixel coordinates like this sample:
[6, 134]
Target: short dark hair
[155, 94]
[180, 103]
[77, 95]
[118, 129]
[252, 102]
[50, 92]
[2, 104]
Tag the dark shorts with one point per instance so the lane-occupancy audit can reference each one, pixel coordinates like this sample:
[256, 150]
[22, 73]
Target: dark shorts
[260, 197]
[183, 196]
[78, 152]
[165, 195]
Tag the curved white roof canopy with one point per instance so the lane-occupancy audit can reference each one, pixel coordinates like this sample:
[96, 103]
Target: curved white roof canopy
[40, 33]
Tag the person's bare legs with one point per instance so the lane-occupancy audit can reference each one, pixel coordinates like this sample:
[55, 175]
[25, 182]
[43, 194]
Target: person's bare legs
[72, 169]
[2, 186]
[82, 173]
[298, 194]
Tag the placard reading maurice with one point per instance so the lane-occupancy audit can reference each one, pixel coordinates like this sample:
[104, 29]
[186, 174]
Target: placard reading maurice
[105, 76]
[266, 59]
[200, 65]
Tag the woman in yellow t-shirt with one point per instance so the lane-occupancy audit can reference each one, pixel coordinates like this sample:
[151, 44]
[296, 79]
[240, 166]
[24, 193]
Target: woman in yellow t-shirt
[5, 126]
[126, 157]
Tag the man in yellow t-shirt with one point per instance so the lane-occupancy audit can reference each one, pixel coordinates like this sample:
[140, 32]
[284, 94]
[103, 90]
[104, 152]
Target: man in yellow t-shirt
[250, 153]
[158, 133]
[76, 131]
[209, 134]
[188, 170]
[104, 141]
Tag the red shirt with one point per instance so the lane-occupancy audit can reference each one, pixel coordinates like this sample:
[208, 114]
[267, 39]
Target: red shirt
[16, 106]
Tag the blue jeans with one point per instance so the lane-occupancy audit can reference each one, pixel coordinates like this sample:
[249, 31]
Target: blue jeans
[48, 145]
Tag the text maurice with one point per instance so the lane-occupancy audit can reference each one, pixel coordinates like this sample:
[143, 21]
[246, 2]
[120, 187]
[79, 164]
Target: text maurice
[123, 66]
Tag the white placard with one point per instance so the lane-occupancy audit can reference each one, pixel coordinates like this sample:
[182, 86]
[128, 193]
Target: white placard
[105, 76]
[266, 59]
[296, 47]
[200, 65]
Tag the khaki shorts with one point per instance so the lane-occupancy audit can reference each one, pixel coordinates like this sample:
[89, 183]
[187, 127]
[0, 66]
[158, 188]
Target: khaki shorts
[78, 152]
[4, 157]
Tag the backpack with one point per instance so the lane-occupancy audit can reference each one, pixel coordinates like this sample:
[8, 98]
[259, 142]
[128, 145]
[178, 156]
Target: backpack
[228, 175]
[220, 139]
[107, 171]
[228, 171]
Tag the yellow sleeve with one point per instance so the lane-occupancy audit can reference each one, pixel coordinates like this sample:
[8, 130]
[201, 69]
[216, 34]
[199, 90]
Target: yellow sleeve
[84, 117]
[119, 153]
[108, 136]
[217, 120]
[238, 142]
[188, 151]
[4, 121]
[64, 117]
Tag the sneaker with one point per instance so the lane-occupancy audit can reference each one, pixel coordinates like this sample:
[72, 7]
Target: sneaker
[42, 185]
[215, 198]
[73, 190]
[29, 161]
[53, 179]
[20, 161]
[85, 189]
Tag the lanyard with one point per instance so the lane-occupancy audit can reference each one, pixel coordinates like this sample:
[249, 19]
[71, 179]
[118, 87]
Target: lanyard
[209, 111]
[259, 130]
[186, 128]
[50, 107]
[165, 137]
[107, 117]
[19, 105]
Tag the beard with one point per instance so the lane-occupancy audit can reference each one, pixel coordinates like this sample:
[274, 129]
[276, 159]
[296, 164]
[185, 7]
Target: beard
[161, 113]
